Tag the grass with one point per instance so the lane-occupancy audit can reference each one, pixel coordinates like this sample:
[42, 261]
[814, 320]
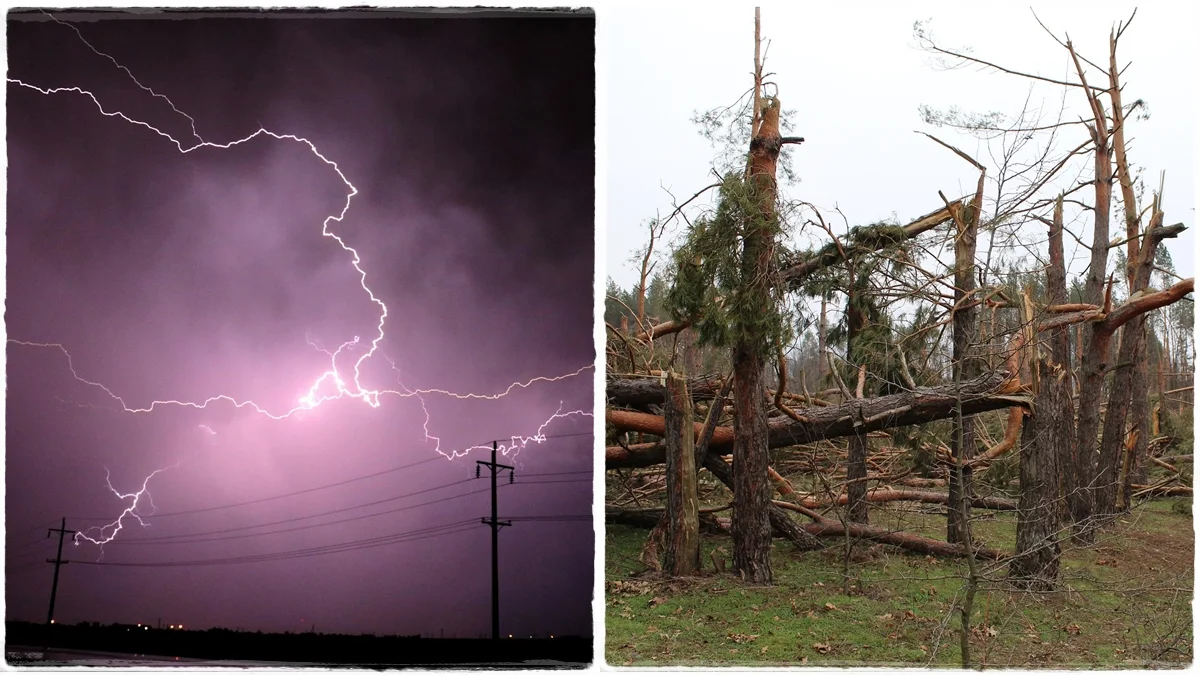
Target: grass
[1124, 602]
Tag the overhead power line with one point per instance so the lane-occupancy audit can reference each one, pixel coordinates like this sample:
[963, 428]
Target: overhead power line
[182, 539]
[317, 488]
[357, 545]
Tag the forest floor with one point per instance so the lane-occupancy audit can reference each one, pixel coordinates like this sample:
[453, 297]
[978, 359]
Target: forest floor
[1124, 602]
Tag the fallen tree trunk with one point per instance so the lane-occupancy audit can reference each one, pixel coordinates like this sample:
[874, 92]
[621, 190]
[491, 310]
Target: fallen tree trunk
[824, 527]
[925, 404]
[1147, 491]
[882, 496]
[633, 392]
[665, 328]
[649, 518]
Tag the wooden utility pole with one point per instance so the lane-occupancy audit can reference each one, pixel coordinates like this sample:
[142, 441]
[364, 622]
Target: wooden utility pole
[58, 562]
[496, 525]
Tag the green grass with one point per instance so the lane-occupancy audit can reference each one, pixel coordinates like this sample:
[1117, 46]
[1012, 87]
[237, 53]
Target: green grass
[1124, 603]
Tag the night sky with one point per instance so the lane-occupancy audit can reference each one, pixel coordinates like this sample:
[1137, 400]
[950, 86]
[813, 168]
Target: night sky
[186, 276]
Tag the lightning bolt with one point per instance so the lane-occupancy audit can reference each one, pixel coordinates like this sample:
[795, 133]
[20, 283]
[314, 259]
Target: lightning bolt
[516, 443]
[354, 388]
[343, 387]
[107, 533]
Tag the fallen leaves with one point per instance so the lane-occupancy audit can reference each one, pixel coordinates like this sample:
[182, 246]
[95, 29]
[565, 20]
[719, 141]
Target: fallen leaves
[822, 647]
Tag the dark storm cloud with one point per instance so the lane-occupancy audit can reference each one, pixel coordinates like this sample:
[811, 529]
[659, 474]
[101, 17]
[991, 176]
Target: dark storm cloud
[174, 276]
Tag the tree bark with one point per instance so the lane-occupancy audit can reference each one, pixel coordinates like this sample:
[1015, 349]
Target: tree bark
[629, 392]
[962, 440]
[1096, 352]
[1132, 352]
[1036, 561]
[827, 527]
[856, 450]
[922, 405]
[751, 488]
[780, 522]
[683, 525]
[824, 527]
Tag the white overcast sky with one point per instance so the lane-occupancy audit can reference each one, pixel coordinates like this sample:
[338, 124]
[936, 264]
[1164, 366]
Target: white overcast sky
[855, 77]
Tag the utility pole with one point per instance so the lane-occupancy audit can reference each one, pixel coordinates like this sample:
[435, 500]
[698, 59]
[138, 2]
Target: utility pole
[58, 562]
[496, 525]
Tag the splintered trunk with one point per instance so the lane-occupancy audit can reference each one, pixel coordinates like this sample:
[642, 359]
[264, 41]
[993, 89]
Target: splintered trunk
[962, 437]
[683, 517]
[822, 331]
[1035, 564]
[1095, 347]
[856, 451]
[1139, 429]
[1108, 463]
[751, 529]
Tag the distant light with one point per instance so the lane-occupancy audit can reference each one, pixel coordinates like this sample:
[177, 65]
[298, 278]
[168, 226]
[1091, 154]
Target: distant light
[551, 637]
[509, 635]
[172, 626]
[180, 626]
[147, 627]
[139, 625]
[52, 621]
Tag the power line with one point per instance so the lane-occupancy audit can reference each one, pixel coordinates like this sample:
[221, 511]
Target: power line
[300, 492]
[10, 549]
[563, 517]
[282, 496]
[172, 540]
[48, 523]
[546, 482]
[315, 515]
[357, 545]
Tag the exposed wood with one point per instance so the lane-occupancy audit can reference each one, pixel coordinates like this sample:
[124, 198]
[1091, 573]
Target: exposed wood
[640, 391]
[887, 495]
[665, 328]
[925, 404]
[827, 527]
[683, 525]
[1012, 431]
[823, 527]
[1132, 350]
[751, 490]
[1095, 352]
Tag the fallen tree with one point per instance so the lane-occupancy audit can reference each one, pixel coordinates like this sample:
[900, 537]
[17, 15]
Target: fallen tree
[822, 527]
[885, 495]
[636, 391]
[921, 405]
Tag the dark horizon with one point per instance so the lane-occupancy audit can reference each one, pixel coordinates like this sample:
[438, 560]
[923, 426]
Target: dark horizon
[172, 276]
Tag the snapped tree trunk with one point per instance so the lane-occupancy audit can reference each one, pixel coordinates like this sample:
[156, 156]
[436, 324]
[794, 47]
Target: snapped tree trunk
[856, 450]
[923, 404]
[1131, 357]
[751, 488]
[962, 434]
[1096, 340]
[683, 520]
[1035, 564]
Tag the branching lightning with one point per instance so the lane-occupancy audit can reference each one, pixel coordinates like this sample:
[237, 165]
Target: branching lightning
[107, 533]
[334, 378]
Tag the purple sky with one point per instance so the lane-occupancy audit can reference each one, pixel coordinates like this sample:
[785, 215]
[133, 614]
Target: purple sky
[186, 276]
